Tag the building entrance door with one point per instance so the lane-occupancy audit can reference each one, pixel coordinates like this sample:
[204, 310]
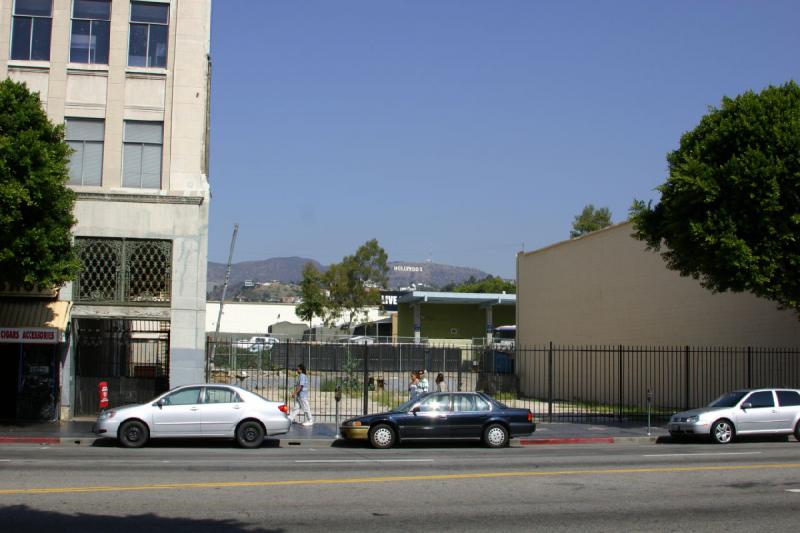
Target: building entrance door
[10, 355]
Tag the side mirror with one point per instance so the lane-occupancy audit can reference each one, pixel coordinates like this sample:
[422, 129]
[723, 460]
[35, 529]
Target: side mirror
[160, 403]
[746, 406]
[415, 410]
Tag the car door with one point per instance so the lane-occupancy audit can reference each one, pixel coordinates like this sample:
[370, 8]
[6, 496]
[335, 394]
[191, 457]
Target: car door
[788, 408]
[429, 420]
[221, 410]
[178, 415]
[470, 413]
[760, 416]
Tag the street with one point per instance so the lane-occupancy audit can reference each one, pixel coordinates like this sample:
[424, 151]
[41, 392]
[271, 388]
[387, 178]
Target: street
[452, 487]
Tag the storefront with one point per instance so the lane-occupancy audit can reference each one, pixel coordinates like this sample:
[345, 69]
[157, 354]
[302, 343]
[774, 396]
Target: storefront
[33, 348]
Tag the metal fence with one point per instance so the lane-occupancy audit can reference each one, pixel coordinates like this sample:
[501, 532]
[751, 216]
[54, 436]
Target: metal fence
[558, 383]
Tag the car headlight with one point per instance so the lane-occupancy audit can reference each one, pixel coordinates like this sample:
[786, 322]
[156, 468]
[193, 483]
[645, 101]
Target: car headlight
[692, 419]
[106, 415]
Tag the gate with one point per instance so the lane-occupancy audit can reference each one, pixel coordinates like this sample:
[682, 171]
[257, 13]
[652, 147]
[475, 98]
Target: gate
[131, 355]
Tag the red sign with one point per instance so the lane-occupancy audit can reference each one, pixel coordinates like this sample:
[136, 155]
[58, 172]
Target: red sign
[30, 335]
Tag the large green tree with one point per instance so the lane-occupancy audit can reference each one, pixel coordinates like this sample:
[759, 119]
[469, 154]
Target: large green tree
[35, 204]
[347, 288]
[312, 294]
[729, 214]
[590, 219]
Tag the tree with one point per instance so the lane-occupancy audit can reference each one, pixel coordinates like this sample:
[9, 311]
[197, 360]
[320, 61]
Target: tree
[488, 285]
[35, 203]
[589, 220]
[729, 214]
[355, 283]
[347, 288]
[312, 293]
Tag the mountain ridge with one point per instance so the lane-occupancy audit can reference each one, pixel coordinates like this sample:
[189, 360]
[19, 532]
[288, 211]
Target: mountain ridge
[290, 270]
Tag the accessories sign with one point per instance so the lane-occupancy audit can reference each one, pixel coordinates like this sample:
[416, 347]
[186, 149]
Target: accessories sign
[31, 335]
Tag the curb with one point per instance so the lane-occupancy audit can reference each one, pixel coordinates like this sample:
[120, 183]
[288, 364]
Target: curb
[591, 440]
[328, 441]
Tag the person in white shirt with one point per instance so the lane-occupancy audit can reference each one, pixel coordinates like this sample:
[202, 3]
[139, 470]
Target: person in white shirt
[300, 395]
[422, 386]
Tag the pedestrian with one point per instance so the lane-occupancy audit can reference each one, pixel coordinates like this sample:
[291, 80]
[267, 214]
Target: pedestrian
[422, 386]
[300, 395]
[441, 384]
[413, 386]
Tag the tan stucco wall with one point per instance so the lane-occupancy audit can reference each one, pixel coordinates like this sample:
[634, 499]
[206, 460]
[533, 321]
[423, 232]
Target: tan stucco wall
[178, 96]
[605, 288]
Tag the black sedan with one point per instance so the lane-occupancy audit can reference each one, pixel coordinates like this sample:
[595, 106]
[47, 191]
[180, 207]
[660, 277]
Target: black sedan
[443, 415]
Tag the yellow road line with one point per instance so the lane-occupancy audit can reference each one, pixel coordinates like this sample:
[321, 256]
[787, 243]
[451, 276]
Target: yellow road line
[388, 479]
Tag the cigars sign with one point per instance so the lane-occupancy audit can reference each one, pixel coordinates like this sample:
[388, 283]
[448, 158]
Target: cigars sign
[30, 335]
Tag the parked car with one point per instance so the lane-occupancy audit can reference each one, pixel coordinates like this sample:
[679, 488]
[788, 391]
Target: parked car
[257, 343]
[358, 339]
[742, 412]
[443, 415]
[197, 411]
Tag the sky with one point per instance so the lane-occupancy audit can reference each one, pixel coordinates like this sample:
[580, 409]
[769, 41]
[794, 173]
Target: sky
[462, 131]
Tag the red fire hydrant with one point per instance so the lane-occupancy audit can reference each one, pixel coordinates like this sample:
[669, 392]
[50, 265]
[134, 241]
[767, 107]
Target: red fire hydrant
[102, 389]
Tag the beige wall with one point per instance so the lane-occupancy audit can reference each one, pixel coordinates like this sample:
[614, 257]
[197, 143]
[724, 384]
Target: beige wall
[178, 96]
[605, 288]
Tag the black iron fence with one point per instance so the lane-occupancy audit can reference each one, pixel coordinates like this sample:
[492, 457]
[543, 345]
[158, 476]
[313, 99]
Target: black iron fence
[558, 383]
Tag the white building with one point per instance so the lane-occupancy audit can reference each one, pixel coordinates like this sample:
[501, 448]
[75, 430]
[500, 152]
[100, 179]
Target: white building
[131, 81]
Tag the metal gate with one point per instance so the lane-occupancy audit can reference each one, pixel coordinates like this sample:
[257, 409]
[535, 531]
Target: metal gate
[131, 355]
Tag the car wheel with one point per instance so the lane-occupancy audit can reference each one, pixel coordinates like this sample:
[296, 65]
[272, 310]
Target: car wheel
[382, 436]
[722, 432]
[495, 436]
[133, 434]
[797, 431]
[250, 434]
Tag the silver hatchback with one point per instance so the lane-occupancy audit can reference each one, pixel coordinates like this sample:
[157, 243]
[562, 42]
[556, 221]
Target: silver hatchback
[202, 410]
[742, 412]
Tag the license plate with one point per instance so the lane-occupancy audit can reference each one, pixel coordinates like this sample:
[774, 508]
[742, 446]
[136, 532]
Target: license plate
[674, 427]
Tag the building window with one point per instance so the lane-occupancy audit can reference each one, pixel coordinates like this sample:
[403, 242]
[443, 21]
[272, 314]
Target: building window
[148, 38]
[131, 271]
[85, 137]
[91, 25]
[141, 165]
[30, 33]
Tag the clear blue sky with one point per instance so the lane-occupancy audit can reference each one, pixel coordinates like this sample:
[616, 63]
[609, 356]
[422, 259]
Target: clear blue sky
[457, 130]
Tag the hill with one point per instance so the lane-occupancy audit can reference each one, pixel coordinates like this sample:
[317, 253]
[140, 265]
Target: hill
[290, 270]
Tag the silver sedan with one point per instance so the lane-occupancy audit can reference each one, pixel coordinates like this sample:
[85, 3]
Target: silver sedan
[197, 411]
[742, 412]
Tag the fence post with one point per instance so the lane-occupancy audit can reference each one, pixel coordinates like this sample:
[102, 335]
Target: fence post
[286, 378]
[550, 382]
[686, 378]
[749, 367]
[621, 378]
[366, 377]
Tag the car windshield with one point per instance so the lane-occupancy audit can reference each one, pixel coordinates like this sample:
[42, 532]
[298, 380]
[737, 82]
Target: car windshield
[728, 400]
[405, 407]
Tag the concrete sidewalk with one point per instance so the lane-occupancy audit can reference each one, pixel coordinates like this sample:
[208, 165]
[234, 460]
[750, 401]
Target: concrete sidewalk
[79, 433]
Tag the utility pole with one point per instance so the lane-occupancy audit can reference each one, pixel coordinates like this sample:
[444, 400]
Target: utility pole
[224, 290]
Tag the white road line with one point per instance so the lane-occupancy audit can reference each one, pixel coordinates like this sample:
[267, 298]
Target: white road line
[696, 454]
[792, 490]
[5, 460]
[364, 461]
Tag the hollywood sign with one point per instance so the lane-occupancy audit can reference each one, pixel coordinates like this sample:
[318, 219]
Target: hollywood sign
[407, 268]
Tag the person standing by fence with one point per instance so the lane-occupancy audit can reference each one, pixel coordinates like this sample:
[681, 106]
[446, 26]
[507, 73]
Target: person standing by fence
[422, 386]
[300, 395]
[441, 384]
[413, 390]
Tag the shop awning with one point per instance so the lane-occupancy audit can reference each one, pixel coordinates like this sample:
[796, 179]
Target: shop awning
[33, 321]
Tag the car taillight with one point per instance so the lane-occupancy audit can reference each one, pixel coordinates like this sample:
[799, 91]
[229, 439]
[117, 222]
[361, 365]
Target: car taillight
[530, 416]
[283, 409]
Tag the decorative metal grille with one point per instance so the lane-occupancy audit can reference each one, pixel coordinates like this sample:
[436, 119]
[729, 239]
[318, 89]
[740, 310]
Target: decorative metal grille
[117, 271]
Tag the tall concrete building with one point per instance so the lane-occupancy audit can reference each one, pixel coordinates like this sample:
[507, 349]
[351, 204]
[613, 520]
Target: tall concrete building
[130, 80]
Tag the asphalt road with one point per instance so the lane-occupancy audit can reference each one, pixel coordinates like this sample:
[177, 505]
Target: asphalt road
[216, 487]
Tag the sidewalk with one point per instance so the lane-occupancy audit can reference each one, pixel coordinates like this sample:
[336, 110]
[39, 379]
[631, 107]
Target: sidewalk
[79, 433]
